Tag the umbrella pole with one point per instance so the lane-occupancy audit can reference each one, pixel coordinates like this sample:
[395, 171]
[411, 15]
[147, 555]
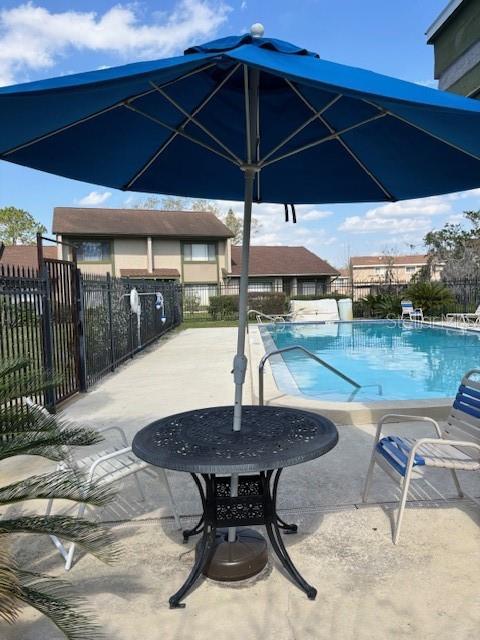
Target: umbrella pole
[240, 360]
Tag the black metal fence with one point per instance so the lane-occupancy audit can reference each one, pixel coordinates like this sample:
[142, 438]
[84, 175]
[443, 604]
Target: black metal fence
[23, 297]
[220, 302]
[112, 331]
[76, 328]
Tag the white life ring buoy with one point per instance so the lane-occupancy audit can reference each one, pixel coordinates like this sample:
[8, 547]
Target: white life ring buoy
[134, 301]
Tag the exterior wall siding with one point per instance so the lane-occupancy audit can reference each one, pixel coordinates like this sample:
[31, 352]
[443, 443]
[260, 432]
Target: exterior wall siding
[457, 51]
[130, 253]
[200, 272]
[167, 254]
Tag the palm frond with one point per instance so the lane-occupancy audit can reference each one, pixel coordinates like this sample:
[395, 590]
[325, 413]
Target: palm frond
[55, 599]
[9, 583]
[68, 485]
[92, 537]
[47, 444]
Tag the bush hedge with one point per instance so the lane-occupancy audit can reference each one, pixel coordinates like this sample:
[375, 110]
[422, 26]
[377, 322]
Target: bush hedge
[225, 307]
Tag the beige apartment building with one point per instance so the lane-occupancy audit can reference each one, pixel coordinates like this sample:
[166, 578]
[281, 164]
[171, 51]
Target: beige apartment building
[185, 246]
[192, 248]
[399, 269]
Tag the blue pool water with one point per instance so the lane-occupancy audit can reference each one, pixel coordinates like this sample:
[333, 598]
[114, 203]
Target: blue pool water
[408, 360]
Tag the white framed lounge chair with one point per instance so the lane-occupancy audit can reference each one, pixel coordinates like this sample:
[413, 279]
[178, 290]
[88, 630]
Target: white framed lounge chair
[410, 312]
[106, 467]
[324, 310]
[465, 317]
[405, 459]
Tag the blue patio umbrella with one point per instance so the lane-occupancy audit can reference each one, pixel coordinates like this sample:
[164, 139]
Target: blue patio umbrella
[245, 118]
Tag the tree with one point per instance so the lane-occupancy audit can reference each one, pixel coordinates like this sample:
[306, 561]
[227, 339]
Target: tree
[230, 219]
[17, 226]
[457, 246]
[235, 224]
[26, 430]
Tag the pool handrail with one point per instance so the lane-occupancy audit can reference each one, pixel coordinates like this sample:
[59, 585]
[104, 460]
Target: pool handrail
[276, 317]
[310, 355]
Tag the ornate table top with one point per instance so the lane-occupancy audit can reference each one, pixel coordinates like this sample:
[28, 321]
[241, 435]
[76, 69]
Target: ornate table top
[203, 441]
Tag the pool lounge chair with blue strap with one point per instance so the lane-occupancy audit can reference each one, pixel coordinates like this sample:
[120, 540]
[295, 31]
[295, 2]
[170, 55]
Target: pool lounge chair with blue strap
[409, 311]
[405, 459]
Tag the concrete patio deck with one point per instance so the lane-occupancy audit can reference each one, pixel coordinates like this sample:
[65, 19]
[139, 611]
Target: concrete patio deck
[427, 586]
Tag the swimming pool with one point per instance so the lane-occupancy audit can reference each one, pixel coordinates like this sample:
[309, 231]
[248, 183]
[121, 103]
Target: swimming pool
[408, 360]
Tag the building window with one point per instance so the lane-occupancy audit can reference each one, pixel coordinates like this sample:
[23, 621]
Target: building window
[93, 250]
[410, 269]
[199, 252]
[260, 287]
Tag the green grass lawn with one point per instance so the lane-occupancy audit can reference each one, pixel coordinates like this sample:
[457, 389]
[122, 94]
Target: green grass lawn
[205, 324]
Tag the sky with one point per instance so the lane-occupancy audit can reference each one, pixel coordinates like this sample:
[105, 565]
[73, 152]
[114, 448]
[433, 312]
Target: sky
[50, 38]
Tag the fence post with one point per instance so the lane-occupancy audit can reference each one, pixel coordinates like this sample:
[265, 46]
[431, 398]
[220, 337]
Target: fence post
[47, 337]
[110, 322]
[82, 360]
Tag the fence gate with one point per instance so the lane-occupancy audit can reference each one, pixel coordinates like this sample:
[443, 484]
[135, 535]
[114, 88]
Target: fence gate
[60, 325]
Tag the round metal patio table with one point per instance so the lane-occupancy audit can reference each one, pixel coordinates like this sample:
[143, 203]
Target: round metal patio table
[202, 443]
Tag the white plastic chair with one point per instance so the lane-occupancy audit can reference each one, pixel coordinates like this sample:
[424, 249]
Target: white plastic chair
[106, 467]
[403, 459]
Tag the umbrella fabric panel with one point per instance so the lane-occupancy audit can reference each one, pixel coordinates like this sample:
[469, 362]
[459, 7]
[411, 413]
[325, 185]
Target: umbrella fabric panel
[409, 159]
[352, 81]
[41, 107]
[327, 132]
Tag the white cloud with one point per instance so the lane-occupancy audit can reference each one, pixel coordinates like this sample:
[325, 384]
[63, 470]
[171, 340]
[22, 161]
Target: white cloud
[405, 216]
[391, 226]
[315, 214]
[243, 5]
[32, 38]
[94, 198]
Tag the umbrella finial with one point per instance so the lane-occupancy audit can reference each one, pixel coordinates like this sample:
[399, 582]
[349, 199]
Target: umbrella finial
[257, 30]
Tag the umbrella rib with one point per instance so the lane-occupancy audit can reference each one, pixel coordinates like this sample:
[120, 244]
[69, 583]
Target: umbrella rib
[179, 131]
[304, 125]
[191, 118]
[344, 144]
[425, 131]
[174, 135]
[91, 116]
[333, 136]
[247, 113]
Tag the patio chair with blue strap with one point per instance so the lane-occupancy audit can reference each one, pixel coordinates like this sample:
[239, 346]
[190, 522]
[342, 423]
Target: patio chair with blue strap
[405, 459]
[106, 467]
[409, 311]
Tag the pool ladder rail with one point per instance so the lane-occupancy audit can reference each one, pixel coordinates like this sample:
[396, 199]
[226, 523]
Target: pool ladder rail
[325, 364]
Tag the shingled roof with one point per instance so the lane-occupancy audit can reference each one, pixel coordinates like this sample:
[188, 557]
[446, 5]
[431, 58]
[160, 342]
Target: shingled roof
[24, 255]
[137, 222]
[281, 261]
[368, 261]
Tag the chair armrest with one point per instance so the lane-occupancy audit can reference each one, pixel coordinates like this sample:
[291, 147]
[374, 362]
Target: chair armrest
[107, 456]
[399, 417]
[118, 430]
[437, 442]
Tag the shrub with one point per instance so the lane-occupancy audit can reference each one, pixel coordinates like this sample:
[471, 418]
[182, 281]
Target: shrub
[381, 305]
[432, 297]
[224, 307]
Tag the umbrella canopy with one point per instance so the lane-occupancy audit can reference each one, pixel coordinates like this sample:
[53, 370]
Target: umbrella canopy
[300, 129]
[326, 132]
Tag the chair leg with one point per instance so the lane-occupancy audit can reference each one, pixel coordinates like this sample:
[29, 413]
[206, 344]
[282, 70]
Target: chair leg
[71, 548]
[457, 483]
[368, 480]
[401, 509]
[139, 488]
[171, 499]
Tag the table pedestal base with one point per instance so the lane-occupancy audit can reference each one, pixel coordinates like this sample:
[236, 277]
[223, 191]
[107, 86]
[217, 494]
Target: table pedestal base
[255, 504]
[239, 560]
